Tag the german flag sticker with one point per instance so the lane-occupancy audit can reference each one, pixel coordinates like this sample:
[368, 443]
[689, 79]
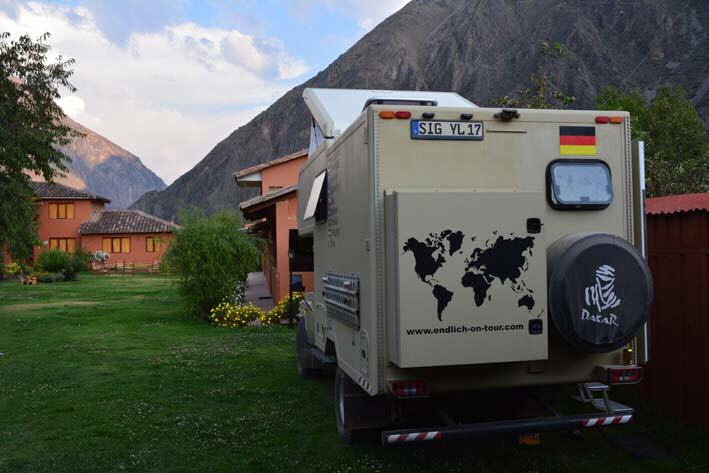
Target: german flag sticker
[577, 140]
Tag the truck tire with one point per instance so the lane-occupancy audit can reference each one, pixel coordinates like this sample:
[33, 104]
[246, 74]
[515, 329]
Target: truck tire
[350, 404]
[600, 291]
[308, 366]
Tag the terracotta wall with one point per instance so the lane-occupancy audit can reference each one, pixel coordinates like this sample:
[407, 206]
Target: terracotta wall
[138, 253]
[281, 175]
[286, 219]
[64, 228]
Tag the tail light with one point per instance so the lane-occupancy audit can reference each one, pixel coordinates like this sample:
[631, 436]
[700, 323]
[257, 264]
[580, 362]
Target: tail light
[408, 389]
[388, 115]
[624, 375]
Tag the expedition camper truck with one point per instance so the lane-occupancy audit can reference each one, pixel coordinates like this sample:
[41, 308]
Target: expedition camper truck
[471, 263]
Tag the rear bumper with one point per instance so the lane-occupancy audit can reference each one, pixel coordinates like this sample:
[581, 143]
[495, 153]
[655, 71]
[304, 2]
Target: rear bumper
[622, 415]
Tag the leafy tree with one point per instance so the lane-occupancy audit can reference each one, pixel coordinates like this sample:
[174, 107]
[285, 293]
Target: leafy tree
[30, 129]
[676, 146]
[211, 257]
[544, 91]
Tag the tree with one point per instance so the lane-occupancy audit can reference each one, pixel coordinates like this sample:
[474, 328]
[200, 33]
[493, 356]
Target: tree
[676, 146]
[211, 257]
[544, 91]
[30, 129]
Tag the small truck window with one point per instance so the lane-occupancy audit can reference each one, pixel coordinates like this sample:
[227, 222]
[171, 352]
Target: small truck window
[579, 184]
[316, 200]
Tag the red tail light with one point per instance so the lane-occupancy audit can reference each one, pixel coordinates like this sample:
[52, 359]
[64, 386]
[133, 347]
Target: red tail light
[603, 119]
[624, 375]
[403, 115]
[407, 389]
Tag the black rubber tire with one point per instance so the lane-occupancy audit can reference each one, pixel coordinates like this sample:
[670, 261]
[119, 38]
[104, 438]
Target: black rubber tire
[350, 403]
[308, 366]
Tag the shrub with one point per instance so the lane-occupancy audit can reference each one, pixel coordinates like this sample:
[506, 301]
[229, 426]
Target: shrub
[211, 256]
[13, 269]
[281, 310]
[53, 261]
[50, 277]
[76, 263]
[58, 261]
[231, 315]
[98, 257]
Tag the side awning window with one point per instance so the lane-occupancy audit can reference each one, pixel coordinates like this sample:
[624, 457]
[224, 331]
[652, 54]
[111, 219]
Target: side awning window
[317, 200]
[316, 138]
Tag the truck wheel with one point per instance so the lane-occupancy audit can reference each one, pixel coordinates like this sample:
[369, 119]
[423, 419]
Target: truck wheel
[350, 401]
[308, 367]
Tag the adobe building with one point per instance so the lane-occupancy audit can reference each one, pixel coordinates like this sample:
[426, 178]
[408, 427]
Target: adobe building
[70, 219]
[273, 218]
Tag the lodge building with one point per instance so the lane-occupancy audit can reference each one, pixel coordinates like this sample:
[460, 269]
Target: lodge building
[71, 219]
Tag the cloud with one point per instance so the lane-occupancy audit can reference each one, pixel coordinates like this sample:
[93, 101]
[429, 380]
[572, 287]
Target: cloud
[167, 95]
[72, 105]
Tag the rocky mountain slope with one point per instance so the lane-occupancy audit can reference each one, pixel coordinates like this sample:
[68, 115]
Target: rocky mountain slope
[482, 49]
[104, 168]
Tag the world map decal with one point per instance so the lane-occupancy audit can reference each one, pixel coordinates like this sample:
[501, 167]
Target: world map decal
[500, 260]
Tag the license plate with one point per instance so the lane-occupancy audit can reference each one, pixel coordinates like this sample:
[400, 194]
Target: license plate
[446, 130]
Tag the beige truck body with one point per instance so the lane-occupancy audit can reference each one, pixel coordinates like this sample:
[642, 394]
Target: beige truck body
[384, 191]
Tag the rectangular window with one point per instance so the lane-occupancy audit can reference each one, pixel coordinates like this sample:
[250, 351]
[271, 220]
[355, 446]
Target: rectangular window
[116, 245]
[153, 244]
[64, 244]
[125, 245]
[61, 211]
[579, 184]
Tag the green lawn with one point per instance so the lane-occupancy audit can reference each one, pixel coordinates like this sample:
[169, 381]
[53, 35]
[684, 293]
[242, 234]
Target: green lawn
[108, 374]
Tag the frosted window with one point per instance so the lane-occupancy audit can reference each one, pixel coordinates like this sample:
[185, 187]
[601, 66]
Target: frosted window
[581, 184]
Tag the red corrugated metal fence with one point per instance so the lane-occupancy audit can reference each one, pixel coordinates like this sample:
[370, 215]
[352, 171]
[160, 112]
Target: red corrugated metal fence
[677, 376]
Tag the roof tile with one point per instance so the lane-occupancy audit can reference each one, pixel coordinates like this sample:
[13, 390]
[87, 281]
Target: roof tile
[55, 191]
[125, 221]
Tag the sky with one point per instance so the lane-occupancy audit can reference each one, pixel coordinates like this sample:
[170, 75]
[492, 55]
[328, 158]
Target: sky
[168, 79]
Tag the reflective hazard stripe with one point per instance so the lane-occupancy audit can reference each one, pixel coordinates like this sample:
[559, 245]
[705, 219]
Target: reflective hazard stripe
[603, 421]
[414, 437]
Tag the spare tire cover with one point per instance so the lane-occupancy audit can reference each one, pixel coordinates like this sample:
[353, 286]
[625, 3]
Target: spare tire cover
[600, 290]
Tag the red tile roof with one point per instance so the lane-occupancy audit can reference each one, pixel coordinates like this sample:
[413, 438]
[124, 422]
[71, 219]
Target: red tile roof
[125, 221]
[259, 167]
[55, 191]
[677, 203]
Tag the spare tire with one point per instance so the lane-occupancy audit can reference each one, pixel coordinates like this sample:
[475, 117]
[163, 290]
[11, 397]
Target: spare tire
[600, 290]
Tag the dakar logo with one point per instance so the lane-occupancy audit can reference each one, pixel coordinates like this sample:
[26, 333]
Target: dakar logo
[601, 296]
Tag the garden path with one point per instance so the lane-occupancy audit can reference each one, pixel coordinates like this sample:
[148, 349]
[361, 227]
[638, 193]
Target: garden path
[257, 291]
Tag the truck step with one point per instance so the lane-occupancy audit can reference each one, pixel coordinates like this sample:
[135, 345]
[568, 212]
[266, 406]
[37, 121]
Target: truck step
[325, 360]
[597, 387]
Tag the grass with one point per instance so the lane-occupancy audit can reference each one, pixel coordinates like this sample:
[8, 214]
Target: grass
[109, 374]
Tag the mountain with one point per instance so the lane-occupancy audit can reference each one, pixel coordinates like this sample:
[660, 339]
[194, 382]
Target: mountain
[481, 49]
[104, 168]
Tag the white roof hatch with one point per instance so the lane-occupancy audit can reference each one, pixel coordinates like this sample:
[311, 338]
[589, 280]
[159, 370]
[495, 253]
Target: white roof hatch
[335, 109]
